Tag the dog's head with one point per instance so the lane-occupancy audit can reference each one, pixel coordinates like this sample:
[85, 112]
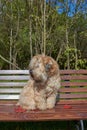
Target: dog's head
[42, 67]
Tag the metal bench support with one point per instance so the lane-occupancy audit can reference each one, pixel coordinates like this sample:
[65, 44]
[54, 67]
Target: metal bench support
[80, 125]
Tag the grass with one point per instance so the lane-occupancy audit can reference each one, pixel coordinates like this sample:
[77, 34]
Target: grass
[57, 125]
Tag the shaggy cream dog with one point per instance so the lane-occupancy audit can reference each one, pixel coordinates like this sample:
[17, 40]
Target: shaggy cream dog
[42, 88]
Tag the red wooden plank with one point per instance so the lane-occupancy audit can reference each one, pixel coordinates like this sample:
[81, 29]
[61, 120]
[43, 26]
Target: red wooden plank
[73, 71]
[73, 96]
[74, 77]
[73, 90]
[68, 83]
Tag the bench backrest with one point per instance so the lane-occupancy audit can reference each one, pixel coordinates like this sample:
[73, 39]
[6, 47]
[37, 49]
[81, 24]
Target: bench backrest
[73, 82]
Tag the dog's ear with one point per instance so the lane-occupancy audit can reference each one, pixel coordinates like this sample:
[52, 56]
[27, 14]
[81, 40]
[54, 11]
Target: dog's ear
[48, 67]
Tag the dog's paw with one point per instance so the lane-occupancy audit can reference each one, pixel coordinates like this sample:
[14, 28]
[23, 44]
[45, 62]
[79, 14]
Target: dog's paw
[31, 108]
[42, 107]
[50, 105]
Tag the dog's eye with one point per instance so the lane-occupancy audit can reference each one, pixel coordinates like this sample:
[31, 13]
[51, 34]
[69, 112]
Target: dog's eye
[47, 67]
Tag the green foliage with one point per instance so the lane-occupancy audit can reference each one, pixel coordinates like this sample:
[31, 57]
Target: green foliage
[81, 63]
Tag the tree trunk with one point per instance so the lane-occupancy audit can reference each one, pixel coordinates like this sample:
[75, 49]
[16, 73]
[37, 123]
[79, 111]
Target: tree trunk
[14, 61]
[44, 32]
[59, 53]
[67, 46]
[43, 12]
[30, 26]
[11, 38]
[42, 24]
[76, 56]
[15, 49]
[67, 36]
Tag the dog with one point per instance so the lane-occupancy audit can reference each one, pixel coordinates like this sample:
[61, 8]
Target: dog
[41, 90]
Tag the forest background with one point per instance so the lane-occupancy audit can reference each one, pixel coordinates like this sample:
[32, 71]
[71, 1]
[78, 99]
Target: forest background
[57, 28]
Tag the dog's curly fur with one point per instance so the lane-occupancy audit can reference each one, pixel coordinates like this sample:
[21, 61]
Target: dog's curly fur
[42, 88]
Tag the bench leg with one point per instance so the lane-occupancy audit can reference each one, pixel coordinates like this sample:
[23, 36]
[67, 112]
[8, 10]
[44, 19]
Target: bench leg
[79, 125]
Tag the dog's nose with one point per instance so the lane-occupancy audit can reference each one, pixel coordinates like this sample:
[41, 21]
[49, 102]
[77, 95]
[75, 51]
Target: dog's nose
[30, 72]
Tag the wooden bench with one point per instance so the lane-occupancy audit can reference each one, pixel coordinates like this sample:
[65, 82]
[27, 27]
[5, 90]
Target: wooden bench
[71, 106]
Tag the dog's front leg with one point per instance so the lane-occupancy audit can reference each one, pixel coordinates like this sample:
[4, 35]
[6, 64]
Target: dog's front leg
[51, 101]
[26, 99]
[40, 99]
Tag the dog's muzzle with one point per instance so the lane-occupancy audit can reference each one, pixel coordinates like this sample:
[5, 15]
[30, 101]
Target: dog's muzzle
[31, 73]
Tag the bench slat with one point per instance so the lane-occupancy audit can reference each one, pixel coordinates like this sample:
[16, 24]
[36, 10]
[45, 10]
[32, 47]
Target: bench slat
[26, 77]
[10, 84]
[63, 90]
[14, 72]
[27, 71]
[73, 90]
[9, 97]
[68, 83]
[10, 90]
[73, 96]
[62, 96]
[62, 84]
[74, 77]
[73, 72]
[16, 77]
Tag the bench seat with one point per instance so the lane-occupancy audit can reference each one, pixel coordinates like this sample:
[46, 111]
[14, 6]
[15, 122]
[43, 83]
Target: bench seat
[78, 111]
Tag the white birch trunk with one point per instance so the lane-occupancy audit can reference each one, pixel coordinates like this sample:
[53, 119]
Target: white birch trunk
[11, 39]
[76, 56]
[44, 32]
